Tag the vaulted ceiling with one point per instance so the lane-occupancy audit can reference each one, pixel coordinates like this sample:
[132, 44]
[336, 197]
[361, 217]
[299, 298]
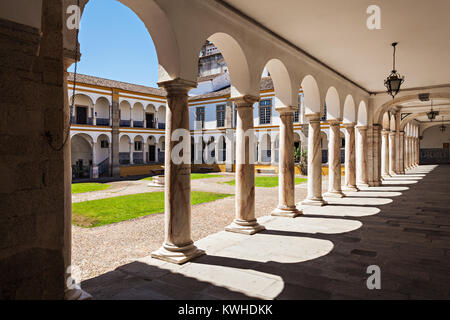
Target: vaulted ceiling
[335, 32]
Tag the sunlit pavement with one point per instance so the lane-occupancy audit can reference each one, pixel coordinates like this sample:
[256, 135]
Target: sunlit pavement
[403, 227]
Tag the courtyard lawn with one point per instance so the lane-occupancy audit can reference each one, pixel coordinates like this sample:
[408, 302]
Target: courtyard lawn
[195, 176]
[267, 182]
[88, 187]
[97, 213]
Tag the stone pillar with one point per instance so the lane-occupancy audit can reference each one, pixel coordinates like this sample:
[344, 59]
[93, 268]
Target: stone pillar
[376, 154]
[131, 152]
[178, 246]
[361, 160]
[385, 153]
[350, 172]
[272, 151]
[314, 196]
[401, 153]
[245, 221]
[418, 151]
[70, 292]
[334, 161]
[94, 167]
[408, 151]
[115, 123]
[286, 174]
[392, 153]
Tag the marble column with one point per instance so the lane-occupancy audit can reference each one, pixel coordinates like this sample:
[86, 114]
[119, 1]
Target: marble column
[350, 158]
[401, 153]
[376, 141]
[314, 196]
[392, 153]
[245, 221]
[286, 174]
[273, 159]
[178, 246]
[334, 161]
[385, 153]
[408, 152]
[361, 160]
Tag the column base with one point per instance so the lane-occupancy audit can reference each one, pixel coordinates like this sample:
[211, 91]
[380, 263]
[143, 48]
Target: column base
[350, 188]
[314, 202]
[178, 255]
[334, 194]
[386, 176]
[245, 227]
[363, 185]
[286, 212]
[77, 294]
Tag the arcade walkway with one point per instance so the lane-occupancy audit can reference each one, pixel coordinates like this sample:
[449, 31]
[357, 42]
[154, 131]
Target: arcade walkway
[403, 227]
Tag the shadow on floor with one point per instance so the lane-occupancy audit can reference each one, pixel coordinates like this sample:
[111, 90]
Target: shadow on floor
[409, 239]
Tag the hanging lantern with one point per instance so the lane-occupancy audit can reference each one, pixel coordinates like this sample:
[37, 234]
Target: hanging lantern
[432, 114]
[394, 81]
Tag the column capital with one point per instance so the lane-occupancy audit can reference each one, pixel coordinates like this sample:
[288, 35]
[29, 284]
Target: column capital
[177, 86]
[334, 122]
[392, 133]
[361, 127]
[350, 125]
[385, 131]
[245, 100]
[313, 117]
[286, 110]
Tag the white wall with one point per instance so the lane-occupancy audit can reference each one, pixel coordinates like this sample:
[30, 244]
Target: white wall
[433, 138]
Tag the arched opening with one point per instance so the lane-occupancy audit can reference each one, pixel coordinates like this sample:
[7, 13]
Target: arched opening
[81, 150]
[124, 150]
[349, 110]
[138, 150]
[151, 154]
[138, 115]
[222, 157]
[102, 112]
[150, 116]
[161, 149]
[161, 117]
[83, 110]
[102, 155]
[311, 95]
[333, 105]
[125, 114]
[362, 114]
[265, 144]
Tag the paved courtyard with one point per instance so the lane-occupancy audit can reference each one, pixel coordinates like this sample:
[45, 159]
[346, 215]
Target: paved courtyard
[102, 249]
[403, 227]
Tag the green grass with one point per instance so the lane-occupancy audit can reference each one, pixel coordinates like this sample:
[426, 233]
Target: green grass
[96, 213]
[195, 176]
[88, 187]
[267, 182]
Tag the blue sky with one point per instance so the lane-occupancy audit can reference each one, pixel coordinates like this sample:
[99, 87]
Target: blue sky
[116, 45]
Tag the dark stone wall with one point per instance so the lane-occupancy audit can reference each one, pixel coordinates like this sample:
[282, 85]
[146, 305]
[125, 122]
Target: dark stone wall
[32, 189]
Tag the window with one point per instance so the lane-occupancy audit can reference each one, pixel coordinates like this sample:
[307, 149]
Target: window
[104, 144]
[297, 112]
[138, 146]
[200, 115]
[324, 115]
[220, 116]
[265, 111]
